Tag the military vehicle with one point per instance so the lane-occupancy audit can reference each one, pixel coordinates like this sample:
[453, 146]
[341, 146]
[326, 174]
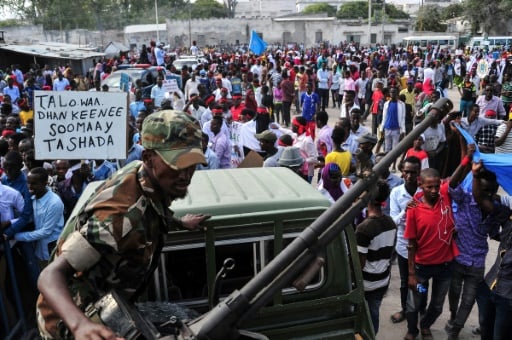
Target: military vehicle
[275, 261]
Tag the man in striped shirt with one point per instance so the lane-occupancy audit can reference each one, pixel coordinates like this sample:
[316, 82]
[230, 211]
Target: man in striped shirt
[375, 242]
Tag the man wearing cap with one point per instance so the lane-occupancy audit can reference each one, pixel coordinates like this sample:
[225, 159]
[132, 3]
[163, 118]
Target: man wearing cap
[291, 158]
[485, 137]
[268, 144]
[111, 242]
[365, 158]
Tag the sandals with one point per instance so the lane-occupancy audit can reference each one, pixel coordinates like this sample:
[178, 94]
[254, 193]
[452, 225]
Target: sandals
[398, 317]
[426, 334]
[410, 336]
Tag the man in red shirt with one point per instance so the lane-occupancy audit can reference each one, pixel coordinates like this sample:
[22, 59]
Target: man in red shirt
[377, 96]
[237, 107]
[429, 229]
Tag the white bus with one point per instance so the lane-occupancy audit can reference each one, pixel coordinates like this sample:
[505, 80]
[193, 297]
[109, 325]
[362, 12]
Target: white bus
[491, 42]
[422, 41]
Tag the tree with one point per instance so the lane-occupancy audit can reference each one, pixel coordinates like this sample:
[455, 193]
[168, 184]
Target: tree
[429, 19]
[359, 9]
[321, 7]
[490, 16]
[351, 10]
[230, 6]
[207, 9]
[452, 11]
[395, 13]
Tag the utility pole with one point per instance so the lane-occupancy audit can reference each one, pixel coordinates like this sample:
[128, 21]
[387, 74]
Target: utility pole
[369, 22]
[156, 19]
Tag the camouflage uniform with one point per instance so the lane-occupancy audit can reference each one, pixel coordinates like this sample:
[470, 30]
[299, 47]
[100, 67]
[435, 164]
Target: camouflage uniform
[114, 236]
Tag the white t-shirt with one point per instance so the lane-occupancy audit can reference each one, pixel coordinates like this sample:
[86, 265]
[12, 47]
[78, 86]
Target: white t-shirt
[433, 137]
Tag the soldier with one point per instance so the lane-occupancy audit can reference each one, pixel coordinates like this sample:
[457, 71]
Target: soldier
[117, 233]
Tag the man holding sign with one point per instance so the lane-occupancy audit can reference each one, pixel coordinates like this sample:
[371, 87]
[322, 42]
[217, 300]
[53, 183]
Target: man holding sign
[111, 240]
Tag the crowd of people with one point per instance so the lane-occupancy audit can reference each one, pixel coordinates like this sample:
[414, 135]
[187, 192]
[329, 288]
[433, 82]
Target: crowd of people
[274, 108]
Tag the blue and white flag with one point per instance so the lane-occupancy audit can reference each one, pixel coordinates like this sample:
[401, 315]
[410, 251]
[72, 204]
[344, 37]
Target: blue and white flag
[256, 44]
[500, 164]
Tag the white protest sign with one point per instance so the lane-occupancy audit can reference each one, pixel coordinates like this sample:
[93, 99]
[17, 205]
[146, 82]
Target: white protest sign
[170, 85]
[80, 125]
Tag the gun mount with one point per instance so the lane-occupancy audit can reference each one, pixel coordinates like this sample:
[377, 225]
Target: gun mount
[223, 320]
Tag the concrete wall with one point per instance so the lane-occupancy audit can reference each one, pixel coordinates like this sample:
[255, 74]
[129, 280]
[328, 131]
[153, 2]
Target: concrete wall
[222, 31]
[208, 32]
[82, 37]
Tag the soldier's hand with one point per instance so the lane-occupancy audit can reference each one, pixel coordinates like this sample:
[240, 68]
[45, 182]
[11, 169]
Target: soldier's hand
[193, 221]
[93, 331]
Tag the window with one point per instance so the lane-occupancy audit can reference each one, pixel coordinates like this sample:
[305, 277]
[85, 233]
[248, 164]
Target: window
[373, 38]
[186, 267]
[201, 39]
[287, 37]
[354, 38]
[318, 37]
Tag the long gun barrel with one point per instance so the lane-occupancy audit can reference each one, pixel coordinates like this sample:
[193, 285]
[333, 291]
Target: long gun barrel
[222, 321]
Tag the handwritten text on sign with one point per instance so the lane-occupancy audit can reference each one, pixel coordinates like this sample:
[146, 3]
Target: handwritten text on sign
[80, 125]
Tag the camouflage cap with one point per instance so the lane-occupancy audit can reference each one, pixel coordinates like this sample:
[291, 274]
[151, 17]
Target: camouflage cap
[175, 137]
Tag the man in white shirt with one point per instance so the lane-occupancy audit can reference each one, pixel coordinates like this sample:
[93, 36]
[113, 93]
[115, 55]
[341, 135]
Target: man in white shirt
[160, 54]
[429, 72]
[61, 83]
[158, 92]
[191, 86]
[324, 82]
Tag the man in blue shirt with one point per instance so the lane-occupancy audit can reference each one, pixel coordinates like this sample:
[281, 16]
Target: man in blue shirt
[393, 120]
[138, 104]
[16, 179]
[309, 101]
[48, 216]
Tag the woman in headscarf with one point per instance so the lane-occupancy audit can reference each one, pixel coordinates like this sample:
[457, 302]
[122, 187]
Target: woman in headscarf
[250, 100]
[428, 86]
[332, 185]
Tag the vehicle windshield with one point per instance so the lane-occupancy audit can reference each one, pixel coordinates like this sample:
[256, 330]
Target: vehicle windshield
[114, 80]
[181, 62]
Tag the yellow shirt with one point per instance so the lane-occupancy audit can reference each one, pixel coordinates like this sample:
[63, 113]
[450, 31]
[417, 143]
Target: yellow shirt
[26, 115]
[409, 97]
[343, 159]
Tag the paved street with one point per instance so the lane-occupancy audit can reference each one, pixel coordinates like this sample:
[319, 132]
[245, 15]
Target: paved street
[391, 302]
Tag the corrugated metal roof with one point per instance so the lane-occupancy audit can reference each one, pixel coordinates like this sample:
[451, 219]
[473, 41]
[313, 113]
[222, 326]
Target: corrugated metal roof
[54, 50]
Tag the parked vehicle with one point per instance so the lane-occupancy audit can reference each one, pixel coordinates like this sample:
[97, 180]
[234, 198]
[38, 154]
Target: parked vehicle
[422, 41]
[147, 74]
